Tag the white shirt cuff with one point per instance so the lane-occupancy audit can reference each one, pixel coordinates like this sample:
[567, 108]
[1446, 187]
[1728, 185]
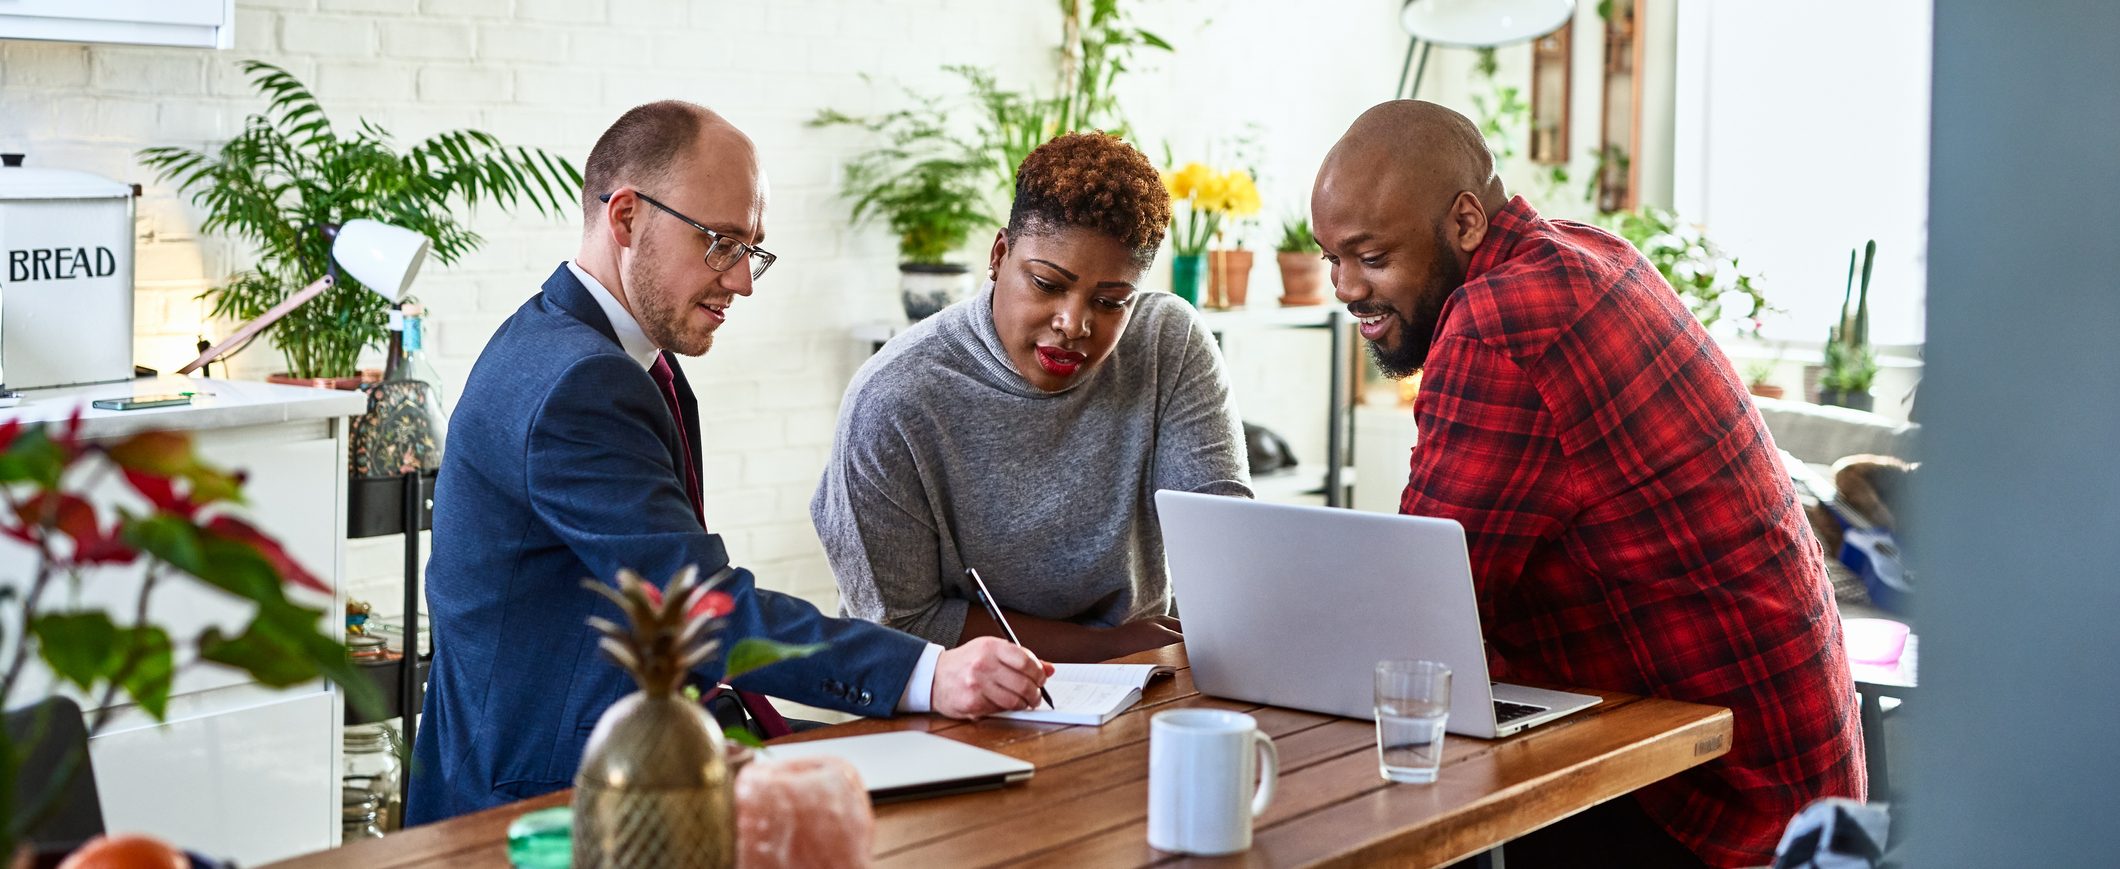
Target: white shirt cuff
[920, 688]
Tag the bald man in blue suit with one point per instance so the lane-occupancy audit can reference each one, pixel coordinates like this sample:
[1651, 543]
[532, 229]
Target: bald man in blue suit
[574, 452]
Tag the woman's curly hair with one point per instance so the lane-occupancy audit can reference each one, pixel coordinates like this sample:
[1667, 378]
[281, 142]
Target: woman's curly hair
[1093, 181]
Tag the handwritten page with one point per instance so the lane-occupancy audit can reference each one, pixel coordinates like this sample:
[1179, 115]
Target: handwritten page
[1090, 693]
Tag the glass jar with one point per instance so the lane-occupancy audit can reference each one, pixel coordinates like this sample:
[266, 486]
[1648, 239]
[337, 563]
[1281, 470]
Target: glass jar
[359, 812]
[370, 763]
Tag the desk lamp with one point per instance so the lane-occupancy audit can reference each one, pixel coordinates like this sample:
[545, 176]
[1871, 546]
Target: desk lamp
[384, 258]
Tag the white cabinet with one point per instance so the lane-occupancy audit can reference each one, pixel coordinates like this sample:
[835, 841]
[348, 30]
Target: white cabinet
[184, 23]
[236, 770]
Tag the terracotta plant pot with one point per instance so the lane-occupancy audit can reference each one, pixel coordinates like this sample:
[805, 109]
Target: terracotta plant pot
[1302, 279]
[1767, 390]
[1228, 278]
[367, 375]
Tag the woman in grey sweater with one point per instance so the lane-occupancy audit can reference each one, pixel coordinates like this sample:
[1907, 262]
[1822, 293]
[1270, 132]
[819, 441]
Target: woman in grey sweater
[1025, 431]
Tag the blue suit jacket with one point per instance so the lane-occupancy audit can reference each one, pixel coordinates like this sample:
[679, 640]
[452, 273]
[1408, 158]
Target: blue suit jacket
[563, 463]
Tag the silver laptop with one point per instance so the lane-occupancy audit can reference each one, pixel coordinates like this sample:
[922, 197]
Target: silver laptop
[907, 764]
[1293, 606]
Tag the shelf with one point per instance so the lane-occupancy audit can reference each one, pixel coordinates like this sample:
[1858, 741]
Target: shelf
[1267, 315]
[878, 331]
[1270, 315]
[1298, 482]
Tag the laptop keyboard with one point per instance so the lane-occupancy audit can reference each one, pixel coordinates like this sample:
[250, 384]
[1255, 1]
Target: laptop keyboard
[1506, 712]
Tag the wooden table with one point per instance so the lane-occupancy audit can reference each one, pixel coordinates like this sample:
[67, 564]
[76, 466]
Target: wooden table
[1088, 803]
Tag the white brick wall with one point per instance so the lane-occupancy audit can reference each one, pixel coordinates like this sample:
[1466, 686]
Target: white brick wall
[554, 73]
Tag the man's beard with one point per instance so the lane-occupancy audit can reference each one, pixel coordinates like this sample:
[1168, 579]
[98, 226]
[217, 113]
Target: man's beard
[1417, 331]
[657, 307]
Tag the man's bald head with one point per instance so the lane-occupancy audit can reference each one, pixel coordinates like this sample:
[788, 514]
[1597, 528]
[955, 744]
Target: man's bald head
[1399, 207]
[653, 142]
[674, 205]
[1417, 150]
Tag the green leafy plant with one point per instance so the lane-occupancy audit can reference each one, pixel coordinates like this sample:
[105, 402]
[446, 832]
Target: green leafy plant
[1708, 279]
[1499, 110]
[924, 176]
[1097, 45]
[1850, 361]
[187, 536]
[1296, 236]
[928, 185]
[291, 174]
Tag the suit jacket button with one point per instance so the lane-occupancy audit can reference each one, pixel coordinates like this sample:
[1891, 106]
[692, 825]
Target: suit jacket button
[865, 698]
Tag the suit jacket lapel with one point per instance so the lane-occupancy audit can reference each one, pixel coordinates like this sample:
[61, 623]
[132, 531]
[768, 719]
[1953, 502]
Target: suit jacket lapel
[565, 291]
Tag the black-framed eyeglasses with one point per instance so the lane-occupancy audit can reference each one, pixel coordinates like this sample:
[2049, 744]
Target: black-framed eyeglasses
[725, 252]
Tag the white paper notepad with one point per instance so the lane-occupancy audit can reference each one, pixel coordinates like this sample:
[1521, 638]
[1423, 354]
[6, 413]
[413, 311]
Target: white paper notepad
[1091, 693]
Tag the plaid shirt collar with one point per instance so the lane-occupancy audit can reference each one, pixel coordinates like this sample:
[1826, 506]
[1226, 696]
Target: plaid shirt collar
[1505, 230]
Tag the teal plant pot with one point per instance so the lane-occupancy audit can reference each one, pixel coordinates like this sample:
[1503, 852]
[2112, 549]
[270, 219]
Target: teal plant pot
[1185, 277]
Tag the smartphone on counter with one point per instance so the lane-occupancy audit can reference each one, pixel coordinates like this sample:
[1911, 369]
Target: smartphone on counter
[139, 402]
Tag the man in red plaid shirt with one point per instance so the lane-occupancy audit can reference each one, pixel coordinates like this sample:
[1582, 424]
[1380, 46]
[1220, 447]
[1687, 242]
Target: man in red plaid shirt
[1631, 526]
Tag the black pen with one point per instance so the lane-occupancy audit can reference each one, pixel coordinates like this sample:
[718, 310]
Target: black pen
[994, 609]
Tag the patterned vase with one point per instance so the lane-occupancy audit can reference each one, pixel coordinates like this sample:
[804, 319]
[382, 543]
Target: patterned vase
[654, 788]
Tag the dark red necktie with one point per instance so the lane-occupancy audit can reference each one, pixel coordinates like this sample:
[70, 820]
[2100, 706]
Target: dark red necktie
[769, 719]
[667, 382]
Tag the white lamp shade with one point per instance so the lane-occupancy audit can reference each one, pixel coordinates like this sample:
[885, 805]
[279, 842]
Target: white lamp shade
[1484, 23]
[379, 255]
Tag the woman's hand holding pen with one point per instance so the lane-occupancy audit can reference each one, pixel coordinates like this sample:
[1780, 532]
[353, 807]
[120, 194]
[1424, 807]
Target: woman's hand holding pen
[987, 675]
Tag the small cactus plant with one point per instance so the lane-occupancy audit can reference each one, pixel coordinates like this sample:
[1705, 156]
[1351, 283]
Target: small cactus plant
[1850, 361]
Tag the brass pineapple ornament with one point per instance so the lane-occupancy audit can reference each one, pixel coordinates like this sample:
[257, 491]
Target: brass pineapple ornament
[654, 788]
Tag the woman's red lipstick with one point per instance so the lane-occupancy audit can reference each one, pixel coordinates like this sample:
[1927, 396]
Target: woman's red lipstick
[1060, 363]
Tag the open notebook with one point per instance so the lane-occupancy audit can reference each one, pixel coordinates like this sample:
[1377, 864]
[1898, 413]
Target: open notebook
[1091, 693]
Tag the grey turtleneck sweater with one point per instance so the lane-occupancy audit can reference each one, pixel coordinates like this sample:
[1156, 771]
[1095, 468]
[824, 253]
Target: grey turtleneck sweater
[946, 458]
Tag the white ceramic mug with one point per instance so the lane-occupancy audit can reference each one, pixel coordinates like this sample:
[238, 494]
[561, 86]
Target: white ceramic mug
[1201, 764]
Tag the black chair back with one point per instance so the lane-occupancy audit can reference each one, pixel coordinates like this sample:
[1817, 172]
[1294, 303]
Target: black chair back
[51, 741]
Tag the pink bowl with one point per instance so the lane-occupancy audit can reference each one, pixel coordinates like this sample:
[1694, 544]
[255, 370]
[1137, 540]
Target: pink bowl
[1875, 641]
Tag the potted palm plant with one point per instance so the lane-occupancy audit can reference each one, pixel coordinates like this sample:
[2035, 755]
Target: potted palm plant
[291, 178]
[1302, 267]
[935, 188]
[929, 187]
[1850, 361]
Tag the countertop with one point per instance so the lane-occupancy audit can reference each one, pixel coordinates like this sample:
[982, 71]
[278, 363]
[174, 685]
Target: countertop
[215, 404]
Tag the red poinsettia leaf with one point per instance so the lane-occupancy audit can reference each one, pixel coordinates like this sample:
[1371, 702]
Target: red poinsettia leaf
[238, 531]
[163, 453]
[8, 431]
[160, 491]
[69, 437]
[72, 516]
[714, 604]
[107, 550]
[68, 514]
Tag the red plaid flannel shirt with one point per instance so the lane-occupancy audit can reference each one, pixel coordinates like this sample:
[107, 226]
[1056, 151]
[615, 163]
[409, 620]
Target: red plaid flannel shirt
[1631, 526]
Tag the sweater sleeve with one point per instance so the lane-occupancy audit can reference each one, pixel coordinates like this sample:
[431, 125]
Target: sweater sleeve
[1199, 438]
[872, 513]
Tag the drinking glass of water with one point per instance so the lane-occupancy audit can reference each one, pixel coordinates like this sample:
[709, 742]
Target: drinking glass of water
[1412, 704]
